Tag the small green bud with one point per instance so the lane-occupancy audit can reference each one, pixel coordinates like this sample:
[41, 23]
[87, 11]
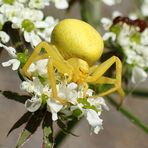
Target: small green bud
[115, 29]
[42, 79]
[22, 57]
[135, 38]
[28, 25]
[1, 26]
[44, 99]
[77, 112]
[9, 1]
[83, 101]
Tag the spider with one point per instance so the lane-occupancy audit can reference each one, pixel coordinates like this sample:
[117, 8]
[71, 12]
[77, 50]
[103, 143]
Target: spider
[74, 49]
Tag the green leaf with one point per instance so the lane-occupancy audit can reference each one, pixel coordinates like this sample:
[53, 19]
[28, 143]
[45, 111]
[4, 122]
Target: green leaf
[20, 122]
[48, 141]
[60, 136]
[31, 127]
[64, 128]
[15, 96]
[129, 115]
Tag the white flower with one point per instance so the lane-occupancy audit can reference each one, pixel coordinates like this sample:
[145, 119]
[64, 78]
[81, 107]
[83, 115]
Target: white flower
[144, 37]
[34, 86]
[32, 38]
[133, 16]
[98, 103]
[54, 108]
[116, 14]
[94, 120]
[138, 75]
[109, 35]
[68, 92]
[10, 50]
[111, 2]
[2, 19]
[106, 23]
[28, 86]
[89, 92]
[47, 26]
[14, 62]
[61, 4]
[144, 9]
[22, 1]
[39, 67]
[4, 37]
[33, 104]
[123, 37]
[39, 4]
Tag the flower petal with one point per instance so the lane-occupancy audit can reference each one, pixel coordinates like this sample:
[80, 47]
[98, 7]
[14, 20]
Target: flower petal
[94, 120]
[61, 4]
[111, 2]
[108, 35]
[33, 104]
[4, 37]
[54, 108]
[138, 75]
[14, 62]
[106, 23]
[10, 50]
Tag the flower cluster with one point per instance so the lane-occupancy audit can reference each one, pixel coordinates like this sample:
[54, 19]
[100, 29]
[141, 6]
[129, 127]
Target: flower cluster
[131, 36]
[78, 103]
[27, 16]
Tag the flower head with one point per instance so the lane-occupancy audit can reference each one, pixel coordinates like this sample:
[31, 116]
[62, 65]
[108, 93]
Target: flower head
[132, 38]
[77, 105]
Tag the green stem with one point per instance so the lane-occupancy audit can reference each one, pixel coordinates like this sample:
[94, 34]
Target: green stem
[140, 93]
[135, 120]
[60, 136]
[90, 12]
[139, 3]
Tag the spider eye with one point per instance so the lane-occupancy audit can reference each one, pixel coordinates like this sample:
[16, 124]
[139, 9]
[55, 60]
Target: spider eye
[81, 70]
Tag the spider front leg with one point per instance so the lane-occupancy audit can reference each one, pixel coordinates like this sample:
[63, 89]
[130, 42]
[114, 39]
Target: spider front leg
[97, 76]
[51, 51]
[51, 75]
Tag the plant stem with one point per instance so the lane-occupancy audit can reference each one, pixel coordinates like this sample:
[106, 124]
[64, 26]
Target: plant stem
[60, 136]
[90, 12]
[129, 115]
[140, 93]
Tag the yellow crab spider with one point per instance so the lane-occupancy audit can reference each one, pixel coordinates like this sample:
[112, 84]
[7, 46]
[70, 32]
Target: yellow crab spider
[74, 49]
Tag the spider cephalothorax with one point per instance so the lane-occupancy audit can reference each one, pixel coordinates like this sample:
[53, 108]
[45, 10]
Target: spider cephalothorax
[75, 47]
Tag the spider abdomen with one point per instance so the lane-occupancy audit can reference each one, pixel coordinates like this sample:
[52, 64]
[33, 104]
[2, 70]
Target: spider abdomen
[75, 38]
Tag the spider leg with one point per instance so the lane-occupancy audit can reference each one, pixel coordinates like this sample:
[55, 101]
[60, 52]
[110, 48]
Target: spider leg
[51, 75]
[97, 76]
[105, 80]
[59, 62]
